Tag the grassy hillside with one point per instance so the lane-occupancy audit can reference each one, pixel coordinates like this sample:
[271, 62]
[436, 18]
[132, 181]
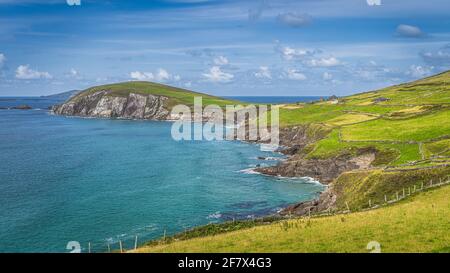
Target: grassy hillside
[176, 95]
[408, 129]
[417, 224]
[405, 123]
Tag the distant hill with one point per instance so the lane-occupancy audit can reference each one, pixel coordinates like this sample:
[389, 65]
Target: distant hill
[63, 96]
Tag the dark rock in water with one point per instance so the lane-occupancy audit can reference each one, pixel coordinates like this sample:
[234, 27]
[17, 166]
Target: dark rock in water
[4, 108]
[261, 158]
[22, 107]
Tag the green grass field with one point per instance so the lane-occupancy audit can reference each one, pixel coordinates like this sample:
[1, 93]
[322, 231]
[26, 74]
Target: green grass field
[407, 127]
[418, 224]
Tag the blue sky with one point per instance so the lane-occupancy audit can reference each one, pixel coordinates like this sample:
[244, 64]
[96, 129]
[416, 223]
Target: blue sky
[262, 47]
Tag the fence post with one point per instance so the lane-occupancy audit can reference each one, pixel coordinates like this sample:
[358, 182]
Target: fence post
[89, 247]
[403, 192]
[370, 203]
[120, 244]
[164, 235]
[422, 186]
[431, 183]
[348, 208]
[414, 190]
[109, 248]
[409, 191]
[397, 195]
[385, 198]
[135, 242]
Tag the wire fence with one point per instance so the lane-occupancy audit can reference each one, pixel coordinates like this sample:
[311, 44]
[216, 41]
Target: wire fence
[122, 246]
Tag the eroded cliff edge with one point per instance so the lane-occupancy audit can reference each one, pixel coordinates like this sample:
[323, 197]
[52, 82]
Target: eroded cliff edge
[296, 142]
[104, 105]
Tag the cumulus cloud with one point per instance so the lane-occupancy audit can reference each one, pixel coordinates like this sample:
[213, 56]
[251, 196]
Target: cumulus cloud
[324, 62]
[294, 74]
[142, 76]
[24, 72]
[289, 53]
[221, 60]
[409, 31]
[419, 71]
[439, 58]
[161, 75]
[263, 73]
[294, 19]
[217, 75]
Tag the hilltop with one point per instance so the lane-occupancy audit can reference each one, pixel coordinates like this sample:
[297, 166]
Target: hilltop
[132, 100]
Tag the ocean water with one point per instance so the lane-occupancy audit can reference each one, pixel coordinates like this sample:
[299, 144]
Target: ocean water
[99, 181]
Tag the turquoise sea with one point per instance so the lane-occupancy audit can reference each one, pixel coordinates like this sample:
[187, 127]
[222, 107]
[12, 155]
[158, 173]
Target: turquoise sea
[100, 181]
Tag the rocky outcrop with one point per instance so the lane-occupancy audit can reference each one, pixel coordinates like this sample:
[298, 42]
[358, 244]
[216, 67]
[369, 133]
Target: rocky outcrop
[105, 105]
[323, 170]
[295, 141]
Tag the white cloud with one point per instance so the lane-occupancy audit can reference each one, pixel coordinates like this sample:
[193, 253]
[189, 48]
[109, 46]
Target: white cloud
[294, 74]
[409, 31]
[324, 62]
[221, 60]
[289, 53]
[217, 75]
[439, 58]
[142, 76]
[263, 72]
[24, 72]
[418, 71]
[2, 59]
[294, 19]
[73, 72]
[327, 76]
[161, 75]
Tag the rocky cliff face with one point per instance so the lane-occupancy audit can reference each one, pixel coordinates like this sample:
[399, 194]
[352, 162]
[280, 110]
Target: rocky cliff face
[102, 104]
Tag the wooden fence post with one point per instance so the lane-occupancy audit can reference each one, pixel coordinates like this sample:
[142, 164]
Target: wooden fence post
[109, 248]
[370, 203]
[385, 198]
[120, 244]
[135, 242]
[346, 204]
[89, 247]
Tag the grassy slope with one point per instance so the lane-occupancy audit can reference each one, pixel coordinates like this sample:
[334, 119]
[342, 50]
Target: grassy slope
[417, 224]
[409, 126]
[410, 133]
[176, 95]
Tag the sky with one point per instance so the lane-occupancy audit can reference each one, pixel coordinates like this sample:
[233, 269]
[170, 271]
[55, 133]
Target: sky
[225, 48]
